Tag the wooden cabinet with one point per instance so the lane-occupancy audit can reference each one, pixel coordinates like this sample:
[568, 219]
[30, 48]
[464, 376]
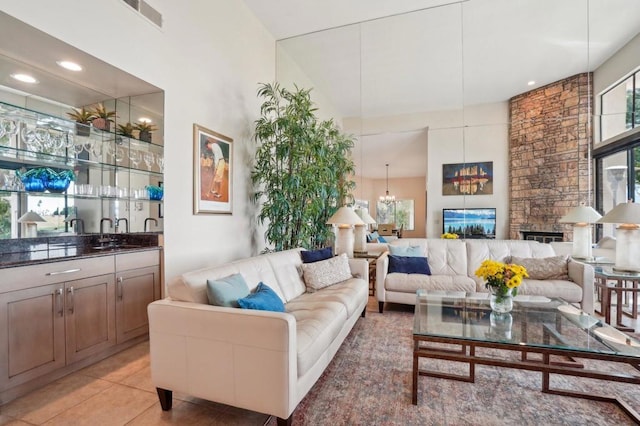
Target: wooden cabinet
[138, 284]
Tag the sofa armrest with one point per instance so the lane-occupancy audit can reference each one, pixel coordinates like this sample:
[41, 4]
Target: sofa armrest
[382, 264]
[359, 268]
[244, 358]
[583, 275]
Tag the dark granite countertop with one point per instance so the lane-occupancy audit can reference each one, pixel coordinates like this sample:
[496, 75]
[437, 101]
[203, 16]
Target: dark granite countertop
[31, 251]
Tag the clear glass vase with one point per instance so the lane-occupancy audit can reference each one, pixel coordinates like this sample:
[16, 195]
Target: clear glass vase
[501, 302]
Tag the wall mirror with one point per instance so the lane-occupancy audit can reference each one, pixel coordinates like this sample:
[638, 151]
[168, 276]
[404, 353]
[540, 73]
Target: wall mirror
[112, 171]
[431, 87]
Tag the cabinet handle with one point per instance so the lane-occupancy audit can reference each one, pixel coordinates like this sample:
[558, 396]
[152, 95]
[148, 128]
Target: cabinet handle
[73, 302]
[120, 289]
[68, 271]
[59, 308]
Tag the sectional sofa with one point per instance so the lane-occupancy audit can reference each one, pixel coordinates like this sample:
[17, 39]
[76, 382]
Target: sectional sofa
[258, 360]
[453, 264]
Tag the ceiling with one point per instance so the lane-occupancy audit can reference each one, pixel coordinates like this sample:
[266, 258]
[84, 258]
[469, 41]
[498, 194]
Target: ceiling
[416, 56]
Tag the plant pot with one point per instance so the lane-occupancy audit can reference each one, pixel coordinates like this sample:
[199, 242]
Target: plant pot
[83, 129]
[145, 136]
[102, 124]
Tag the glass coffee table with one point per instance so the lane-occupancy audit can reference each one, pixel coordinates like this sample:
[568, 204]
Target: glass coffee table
[549, 334]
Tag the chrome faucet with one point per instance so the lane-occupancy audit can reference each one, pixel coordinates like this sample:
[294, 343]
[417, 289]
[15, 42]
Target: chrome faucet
[126, 224]
[155, 221]
[79, 226]
[103, 220]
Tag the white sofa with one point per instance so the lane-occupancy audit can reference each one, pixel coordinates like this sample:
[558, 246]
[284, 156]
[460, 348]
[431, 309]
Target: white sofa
[453, 264]
[257, 360]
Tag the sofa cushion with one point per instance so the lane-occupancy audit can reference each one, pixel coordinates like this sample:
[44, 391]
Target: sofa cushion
[567, 290]
[328, 272]
[262, 299]
[227, 290]
[350, 293]
[446, 257]
[410, 283]
[287, 267]
[318, 323]
[310, 256]
[409, 265]
[543, 268]
[408, 251]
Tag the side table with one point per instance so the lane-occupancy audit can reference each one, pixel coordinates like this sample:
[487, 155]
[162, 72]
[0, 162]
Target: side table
[608, 281]
[371, 258]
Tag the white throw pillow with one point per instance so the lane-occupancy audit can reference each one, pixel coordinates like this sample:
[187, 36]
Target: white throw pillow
[325, 273]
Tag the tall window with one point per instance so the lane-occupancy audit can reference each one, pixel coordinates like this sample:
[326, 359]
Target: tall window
[620, 107]
[400, 212]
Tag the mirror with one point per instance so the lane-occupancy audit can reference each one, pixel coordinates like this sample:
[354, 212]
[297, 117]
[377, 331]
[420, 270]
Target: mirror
[112, 171]
[448, 74]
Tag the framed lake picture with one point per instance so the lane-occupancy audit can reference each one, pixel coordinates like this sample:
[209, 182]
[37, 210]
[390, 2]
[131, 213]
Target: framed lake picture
[212, 172]
[467, 178]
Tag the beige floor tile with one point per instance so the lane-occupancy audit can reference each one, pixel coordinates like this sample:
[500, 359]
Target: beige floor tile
[182, 413]
[8, 421]
[115, 406]
[41, 405]
[121, 365]
[141, 380]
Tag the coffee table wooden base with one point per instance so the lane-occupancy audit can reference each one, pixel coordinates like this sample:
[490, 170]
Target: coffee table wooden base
[424, 348]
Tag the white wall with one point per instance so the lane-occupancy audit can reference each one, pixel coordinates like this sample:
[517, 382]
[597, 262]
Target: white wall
[208, 59]
[485, 137]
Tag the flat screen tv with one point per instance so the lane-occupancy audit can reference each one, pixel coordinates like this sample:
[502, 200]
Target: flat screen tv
[470, 223]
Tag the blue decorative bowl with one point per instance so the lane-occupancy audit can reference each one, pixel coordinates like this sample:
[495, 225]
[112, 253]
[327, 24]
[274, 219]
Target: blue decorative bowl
[155, 192]
[32, 184]
[57, 184]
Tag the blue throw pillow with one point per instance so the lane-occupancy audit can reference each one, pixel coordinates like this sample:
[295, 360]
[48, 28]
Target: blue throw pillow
[381, 239]
[407, 251]
[226, 291]
[262, 299]
[409, 265]
[310, 256]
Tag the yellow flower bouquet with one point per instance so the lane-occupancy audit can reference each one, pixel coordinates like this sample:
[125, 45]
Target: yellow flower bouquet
[501, 279]
[449, 236]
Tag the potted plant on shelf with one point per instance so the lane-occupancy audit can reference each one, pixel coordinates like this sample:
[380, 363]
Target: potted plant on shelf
[144, 128]
[83, 118]
[125, 130]
[103, 118]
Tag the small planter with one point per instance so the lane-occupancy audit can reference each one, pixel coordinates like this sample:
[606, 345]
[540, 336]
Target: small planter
[102, 124]
[145, 136]
[83, 129]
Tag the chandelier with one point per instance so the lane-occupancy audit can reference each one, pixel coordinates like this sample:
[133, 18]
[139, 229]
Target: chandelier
[387, 199]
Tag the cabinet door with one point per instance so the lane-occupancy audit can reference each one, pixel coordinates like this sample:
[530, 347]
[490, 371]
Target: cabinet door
[90, 316]
[31, 333]
[135, 289]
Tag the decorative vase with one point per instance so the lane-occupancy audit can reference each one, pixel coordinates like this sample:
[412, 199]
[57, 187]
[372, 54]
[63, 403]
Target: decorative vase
[501, 302]
[500, 325]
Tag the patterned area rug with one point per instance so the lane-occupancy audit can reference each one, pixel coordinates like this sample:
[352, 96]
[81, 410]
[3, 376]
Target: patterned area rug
[369, 383]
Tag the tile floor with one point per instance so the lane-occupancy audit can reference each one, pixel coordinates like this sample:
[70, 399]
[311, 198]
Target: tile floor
[117, 391]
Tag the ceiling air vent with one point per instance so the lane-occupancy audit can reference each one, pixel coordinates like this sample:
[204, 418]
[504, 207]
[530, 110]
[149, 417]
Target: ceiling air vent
[146, 10]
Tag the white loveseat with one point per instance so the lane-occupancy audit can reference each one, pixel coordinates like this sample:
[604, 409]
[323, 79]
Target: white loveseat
[257, 360]
[453, 264]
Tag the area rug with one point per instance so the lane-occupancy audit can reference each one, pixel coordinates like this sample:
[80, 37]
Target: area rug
[369, 383]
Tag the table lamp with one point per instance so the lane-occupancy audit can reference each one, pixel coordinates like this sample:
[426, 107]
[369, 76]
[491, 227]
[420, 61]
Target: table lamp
[360, 244]
[582, 217]
[344, 219]
[627, 215]
[31, 219]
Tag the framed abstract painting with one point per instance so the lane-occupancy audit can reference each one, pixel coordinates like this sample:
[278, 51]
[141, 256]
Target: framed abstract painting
[467, 178]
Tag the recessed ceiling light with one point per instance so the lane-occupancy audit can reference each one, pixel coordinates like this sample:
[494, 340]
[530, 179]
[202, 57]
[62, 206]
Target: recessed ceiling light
[144, 120]
[25, 78]
[71, 66]
[531, 83]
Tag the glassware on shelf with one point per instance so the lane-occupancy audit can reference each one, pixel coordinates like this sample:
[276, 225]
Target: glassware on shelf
[160, 161]
[134, 157]
[149, 159]
[120, 154]
[155, 192]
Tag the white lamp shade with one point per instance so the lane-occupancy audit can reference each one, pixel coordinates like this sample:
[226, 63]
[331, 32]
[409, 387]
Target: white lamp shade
[623, 213]
[31, 217]
[365, 216]
[345, 216]
[581, 214]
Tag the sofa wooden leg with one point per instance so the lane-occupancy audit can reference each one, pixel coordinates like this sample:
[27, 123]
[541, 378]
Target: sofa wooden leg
[364, 312]
[380, 306]
[166, 398]
[285, 422]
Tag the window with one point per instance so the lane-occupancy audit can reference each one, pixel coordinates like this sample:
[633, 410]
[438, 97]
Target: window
[400, 212]
[620, 107]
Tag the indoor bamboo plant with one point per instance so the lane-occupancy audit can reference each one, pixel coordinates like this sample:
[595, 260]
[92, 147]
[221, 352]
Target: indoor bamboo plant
[301, 171]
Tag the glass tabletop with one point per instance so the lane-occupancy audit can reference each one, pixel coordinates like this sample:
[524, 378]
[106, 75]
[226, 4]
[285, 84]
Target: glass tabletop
[614, 274]
[535, 321]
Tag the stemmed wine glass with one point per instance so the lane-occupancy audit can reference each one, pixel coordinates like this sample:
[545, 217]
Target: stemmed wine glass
[134, 157]
[149, 159]
[160, 161]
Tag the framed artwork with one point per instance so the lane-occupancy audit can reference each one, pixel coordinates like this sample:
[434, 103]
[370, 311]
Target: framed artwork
[212, 172]
[467, 178]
